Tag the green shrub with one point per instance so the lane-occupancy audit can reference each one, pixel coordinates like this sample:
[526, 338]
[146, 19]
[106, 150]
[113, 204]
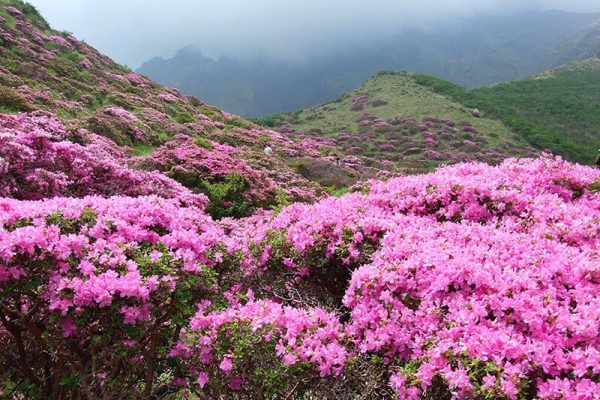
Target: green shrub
[281, 200]
[13, 101]
[184, 118]
[227, 197]
[203, 142]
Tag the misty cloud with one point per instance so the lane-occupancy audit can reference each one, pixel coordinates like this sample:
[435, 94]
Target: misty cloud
[133, 31]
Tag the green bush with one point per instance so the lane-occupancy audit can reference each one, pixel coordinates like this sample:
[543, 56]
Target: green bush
[13, 101]
[203, 142]
[227, 197]
[184, 118]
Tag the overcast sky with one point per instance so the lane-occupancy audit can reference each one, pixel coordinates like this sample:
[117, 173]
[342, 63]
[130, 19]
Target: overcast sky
[133, 31]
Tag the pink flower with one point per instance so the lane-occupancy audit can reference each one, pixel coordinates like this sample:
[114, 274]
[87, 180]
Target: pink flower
[202, 379]
[69, 328]
[226, 364]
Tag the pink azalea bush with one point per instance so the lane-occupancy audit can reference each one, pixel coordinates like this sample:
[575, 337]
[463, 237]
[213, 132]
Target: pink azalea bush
[96, 288]
[489, 311]
[36, 161]
[203, 166]
[479, 280]
[472, 281]
[231, 344]
[168, 97]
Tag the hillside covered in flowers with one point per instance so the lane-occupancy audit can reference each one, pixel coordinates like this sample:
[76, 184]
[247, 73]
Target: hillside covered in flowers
[147, 255]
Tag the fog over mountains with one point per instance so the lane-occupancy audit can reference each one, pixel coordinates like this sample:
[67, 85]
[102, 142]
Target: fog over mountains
[258, 58]
[473, 51]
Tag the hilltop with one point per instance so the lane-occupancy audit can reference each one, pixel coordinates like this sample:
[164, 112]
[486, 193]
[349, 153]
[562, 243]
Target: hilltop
[394, 117]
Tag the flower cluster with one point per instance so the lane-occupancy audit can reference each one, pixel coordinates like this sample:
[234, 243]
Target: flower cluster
[481, 280]
[36, 161]
[198, 164]
[292, 335]
[110, 277]
[168, 97]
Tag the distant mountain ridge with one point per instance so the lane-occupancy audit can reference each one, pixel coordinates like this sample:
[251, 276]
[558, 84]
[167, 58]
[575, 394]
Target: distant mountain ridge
[473, 52]
[585, 45]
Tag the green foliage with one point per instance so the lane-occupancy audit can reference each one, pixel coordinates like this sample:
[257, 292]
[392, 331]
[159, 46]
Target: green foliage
[543, 111]
[203, 142]
[20, 223]
[31, 13]
[565, 101]
[281, 200]
[270, 121]
[336, 192]
[70, 381]
[72, 56]
[227, 197]
[143, 149]
[184, 117]
[72, 225]
[64, 67]
[240, 122]
[264, 374]
[12, 101]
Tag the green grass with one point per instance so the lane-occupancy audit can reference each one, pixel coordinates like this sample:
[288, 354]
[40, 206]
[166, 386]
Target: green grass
[558, 110]
[143, 149]
[564, 101]
[395, 95]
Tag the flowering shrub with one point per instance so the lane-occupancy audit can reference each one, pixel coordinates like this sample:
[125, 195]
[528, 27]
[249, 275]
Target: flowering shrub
[473, 281]
[488, 311]
[37, 162]
[121, 113]
[260, 344]
[483, 280]
[232, 185]
[168, 97]
[97, 290]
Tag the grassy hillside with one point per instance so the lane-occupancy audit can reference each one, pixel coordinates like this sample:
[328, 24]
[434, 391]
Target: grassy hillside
[394, 117]
[198, 145]
[557, 110]
[565, 101]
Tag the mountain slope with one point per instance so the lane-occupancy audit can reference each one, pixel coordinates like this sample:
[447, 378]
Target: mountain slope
[556, 110]
[471, 52]
[393, 117]
[198, 145]
[565, 100]
[584, 45]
